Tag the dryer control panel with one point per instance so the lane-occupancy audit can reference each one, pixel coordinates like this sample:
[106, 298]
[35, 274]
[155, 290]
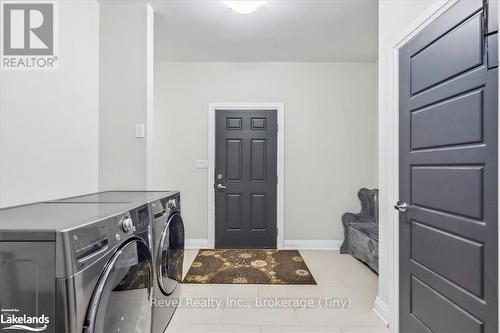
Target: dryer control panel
[163, 207]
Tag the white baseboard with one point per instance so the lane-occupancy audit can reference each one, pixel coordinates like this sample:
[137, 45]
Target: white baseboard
[382, 310]
[195, 244]
[290, 244]
[309, 244]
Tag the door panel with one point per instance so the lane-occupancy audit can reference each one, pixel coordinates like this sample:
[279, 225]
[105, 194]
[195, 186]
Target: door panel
[234, 160]
[258, 211]
[449, 318]
[258, 159]
[259, 123]
[455, 190]
[432, 66]
[246, 165]
[453, 122]
[234, 211]
[233, 123]
[448, 176]
[461, 263]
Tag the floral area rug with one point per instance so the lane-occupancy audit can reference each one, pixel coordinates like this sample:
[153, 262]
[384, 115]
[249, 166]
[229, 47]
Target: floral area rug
[249, 267]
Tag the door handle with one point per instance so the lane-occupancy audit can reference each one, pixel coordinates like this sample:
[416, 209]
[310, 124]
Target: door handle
[221, 187]
[401, 206]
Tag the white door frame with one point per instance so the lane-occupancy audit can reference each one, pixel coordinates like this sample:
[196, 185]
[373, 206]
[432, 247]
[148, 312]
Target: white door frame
[392, 146]
[280, 109]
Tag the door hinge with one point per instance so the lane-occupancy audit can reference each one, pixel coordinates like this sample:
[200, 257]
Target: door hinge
[485, 28]
[490, 20]
[485, 16]
[490, 39]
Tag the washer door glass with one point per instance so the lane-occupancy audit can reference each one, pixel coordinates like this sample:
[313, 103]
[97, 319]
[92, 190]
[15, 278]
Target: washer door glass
[122, 300]
[171, 254]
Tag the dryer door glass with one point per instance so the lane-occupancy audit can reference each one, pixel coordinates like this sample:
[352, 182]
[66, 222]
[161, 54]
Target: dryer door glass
[171, 254]
[122, 299]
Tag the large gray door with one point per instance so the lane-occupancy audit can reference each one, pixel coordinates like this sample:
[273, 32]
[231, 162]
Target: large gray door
[245, 179]
[448, 175]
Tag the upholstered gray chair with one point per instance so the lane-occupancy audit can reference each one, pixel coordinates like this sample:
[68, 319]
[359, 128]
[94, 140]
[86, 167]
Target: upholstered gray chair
[361, 230]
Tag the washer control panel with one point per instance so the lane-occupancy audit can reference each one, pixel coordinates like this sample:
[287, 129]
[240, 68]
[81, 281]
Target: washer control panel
[89, 243]
[140, 216]
[127, 225]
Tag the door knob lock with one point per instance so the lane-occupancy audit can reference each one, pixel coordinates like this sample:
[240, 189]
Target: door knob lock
[401, 206]
[221, 187]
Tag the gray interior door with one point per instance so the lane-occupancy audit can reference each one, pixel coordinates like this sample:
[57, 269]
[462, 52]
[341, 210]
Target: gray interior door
[245, 179]
[448, 175]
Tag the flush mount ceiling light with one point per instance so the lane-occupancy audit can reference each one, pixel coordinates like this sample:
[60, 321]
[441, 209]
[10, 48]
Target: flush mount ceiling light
[244, 7]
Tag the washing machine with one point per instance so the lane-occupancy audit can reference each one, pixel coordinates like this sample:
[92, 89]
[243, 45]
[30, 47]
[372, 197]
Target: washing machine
[167, 243]
[76, 268]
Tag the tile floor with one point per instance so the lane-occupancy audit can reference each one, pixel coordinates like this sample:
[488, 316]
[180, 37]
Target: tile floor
[339, 276]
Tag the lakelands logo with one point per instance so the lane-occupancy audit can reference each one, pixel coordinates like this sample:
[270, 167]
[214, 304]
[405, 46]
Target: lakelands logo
[29, 33]
[13, 321]
[32, 324]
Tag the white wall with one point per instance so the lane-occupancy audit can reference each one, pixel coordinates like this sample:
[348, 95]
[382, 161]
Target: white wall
[394, 18]
[330, 130]
[123, 95]
[49, 120]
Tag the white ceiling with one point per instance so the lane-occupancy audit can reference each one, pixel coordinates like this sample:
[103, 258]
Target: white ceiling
[293, 30]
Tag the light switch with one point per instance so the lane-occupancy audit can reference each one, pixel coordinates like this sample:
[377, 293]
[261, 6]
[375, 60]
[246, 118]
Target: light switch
[201, 164]
[140, 131]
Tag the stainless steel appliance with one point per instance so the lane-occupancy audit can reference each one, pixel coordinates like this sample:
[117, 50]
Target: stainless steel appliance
[167, 243]
[74, 268]
[168, 253]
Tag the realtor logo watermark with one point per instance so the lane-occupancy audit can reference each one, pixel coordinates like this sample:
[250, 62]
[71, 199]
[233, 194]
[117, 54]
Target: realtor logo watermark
[13, 319]
[29, 35]
[327, 302]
